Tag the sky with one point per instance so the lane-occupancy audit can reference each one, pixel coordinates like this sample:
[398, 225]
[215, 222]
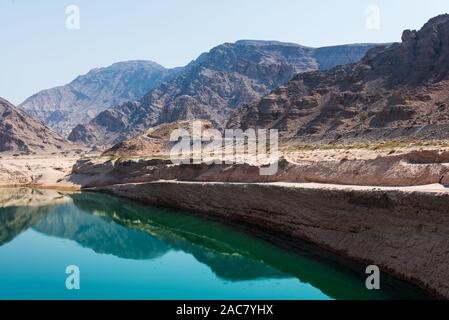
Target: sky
[43, 47]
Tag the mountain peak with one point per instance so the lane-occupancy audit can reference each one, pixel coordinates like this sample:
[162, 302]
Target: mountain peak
[435, 21]
[422, 56]
[392, 89]
[132, 63]
[214, 85]
[64, 107]
[260, 43]
[430, 27]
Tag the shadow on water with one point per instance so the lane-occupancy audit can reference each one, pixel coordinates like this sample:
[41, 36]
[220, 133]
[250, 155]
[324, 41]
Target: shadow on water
[109, 225]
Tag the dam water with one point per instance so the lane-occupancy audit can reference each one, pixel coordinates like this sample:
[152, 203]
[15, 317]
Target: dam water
[124, 250]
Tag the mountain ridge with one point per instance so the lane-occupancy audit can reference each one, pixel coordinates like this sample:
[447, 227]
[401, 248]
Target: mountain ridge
[394, 87]
[210, 87]
[64, 107]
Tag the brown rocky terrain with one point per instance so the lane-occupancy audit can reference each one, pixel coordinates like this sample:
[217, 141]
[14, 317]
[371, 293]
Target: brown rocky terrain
[396, 91]
[64, 107]
[212, 86]
[45, 171]
[154, 142]
[408, 168]
[20, 133]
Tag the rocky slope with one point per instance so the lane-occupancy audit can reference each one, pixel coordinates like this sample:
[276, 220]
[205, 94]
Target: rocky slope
[394, 91]
[62, 108]
[23, 134]
[154, 142]
[211, 87]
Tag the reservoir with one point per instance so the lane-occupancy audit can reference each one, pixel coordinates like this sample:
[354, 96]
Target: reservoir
[125, 250]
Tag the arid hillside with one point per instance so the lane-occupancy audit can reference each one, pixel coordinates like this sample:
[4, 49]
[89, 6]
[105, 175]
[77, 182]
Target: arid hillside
[213, 86]
[23, 134]
[398, 91]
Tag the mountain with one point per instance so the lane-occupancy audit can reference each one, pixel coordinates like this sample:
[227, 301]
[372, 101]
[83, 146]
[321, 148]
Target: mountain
[212, 86]
[21, 133]
[395, 91]
[62, 108]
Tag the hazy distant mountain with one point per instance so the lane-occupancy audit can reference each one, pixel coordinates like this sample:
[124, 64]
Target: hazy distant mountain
[395, 91]
[211, 87]
[62, 108]
[21, 133]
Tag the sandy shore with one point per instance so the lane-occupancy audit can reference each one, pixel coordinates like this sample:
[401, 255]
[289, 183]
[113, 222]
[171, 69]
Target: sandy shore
[45, 171]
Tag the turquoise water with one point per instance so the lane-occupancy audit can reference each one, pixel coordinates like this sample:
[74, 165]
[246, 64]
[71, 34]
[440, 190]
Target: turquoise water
[128, 251]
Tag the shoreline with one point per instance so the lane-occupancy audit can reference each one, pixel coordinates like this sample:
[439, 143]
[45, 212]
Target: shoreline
[314, 224]
[431, 188]
[403, 228]
[38, 171]
[42, 186]
[366, 226]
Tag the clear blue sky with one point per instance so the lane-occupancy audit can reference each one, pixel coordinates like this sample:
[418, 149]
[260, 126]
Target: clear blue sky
[39, 52]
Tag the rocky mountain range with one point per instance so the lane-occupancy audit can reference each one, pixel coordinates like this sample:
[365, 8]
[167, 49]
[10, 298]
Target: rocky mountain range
[23, 134]
[395, 91]
[62, 108]
[213, 86]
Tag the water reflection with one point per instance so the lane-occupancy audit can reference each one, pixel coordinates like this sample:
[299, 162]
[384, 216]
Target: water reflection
[99, 234]
[22, 208]
[108, 225]
[26, 197]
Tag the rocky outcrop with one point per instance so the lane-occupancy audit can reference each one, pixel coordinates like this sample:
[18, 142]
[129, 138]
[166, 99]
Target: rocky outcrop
[21, 133]
[397, 88]
[409, 169]
[62, 108]
[211, 87]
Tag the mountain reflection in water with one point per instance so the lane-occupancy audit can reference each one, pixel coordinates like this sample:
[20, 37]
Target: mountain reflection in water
[110, 226]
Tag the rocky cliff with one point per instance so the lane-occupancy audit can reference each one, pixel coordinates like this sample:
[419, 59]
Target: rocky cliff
[393, 88]
[415, 168]
[211, 87]
[62, 108]
[23, 134]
